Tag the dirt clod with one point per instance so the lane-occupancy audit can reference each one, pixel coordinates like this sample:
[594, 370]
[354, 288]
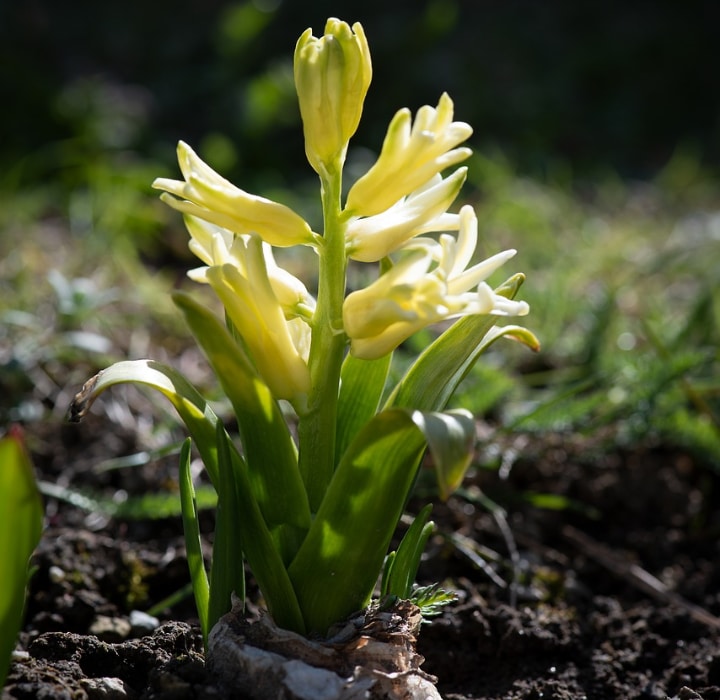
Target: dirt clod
[614, 598]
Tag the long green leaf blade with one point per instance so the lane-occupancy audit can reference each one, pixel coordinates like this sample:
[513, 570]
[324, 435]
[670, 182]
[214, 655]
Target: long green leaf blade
[338, 564]
[254, 537]
[192, 408]
[405, 563]
[362, 383]
[268, 446]
[261, 552]
[20, 528]
[227, 574]
[193, 545]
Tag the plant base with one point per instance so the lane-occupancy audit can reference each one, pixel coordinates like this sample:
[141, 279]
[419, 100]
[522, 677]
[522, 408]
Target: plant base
[372, 655]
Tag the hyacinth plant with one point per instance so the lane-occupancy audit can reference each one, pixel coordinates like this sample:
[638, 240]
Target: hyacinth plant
[312, 510]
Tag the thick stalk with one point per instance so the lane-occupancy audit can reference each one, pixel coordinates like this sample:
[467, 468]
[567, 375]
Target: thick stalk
[317, 426]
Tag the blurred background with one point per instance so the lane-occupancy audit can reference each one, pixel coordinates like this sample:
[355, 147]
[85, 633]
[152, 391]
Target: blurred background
[596, 140]
[582, 88]
[596, 86]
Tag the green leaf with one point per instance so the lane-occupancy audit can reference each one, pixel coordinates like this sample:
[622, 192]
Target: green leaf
[20, 529]
[362, 383]
[432, 599]
[432, 379]
[519, 334]
[338, 564]
[195, 412]
[268, 446]
[387, 572]
[227, 574]
[191, 528]
[451, 439]
[254, 538]
[245, 531]
[403, 566]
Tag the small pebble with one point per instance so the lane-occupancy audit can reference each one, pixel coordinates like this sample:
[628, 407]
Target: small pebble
[686, 693]
[56, 574]
[110, 629]
[104, 689]
[141, 623]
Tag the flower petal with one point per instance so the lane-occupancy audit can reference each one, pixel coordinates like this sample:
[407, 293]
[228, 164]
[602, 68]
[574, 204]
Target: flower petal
[278, 350]
[410, 157]
[374, 237]
[208, 196]
[428, 284]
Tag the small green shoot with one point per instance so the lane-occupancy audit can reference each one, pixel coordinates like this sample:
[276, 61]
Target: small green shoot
[21, 521]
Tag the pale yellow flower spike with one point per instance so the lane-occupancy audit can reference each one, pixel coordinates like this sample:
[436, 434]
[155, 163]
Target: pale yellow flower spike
[277, 347]
[411, 155]
[428, 285]
[217, 246]
[202, 241]
[371, 238]
[208, 196]
[332, 76]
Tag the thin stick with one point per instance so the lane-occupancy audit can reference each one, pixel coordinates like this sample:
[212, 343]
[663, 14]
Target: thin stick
[637, 576]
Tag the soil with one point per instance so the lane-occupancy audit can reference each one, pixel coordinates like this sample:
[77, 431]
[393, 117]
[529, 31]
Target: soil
[599, 578]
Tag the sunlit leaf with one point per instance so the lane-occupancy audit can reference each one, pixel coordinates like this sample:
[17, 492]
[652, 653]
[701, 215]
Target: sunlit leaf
[20, 527]
[195, 412]
[193, 545]
[268, 446]
[451, 438]
[254, 538]
[361, 387]
[403, 566]
[338, 564]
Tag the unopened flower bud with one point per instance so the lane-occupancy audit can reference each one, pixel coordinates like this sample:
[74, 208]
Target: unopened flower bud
[332, 76]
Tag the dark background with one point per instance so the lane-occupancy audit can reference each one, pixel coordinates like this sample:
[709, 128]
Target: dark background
[597, 86]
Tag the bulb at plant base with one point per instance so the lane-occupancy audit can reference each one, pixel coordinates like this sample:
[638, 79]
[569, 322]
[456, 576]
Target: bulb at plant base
[429, 284]
[332, 76]
[412, 153]
[209, 196]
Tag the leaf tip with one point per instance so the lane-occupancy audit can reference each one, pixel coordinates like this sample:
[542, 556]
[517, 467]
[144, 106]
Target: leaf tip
[83, 400]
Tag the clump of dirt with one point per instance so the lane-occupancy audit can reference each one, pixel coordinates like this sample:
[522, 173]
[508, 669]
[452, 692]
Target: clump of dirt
[614, 595]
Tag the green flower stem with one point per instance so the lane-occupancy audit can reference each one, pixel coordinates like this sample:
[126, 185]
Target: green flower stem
[317, 425]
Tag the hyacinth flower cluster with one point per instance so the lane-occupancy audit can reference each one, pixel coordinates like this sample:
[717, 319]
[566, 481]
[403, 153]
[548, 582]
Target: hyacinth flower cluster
[312, 509]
